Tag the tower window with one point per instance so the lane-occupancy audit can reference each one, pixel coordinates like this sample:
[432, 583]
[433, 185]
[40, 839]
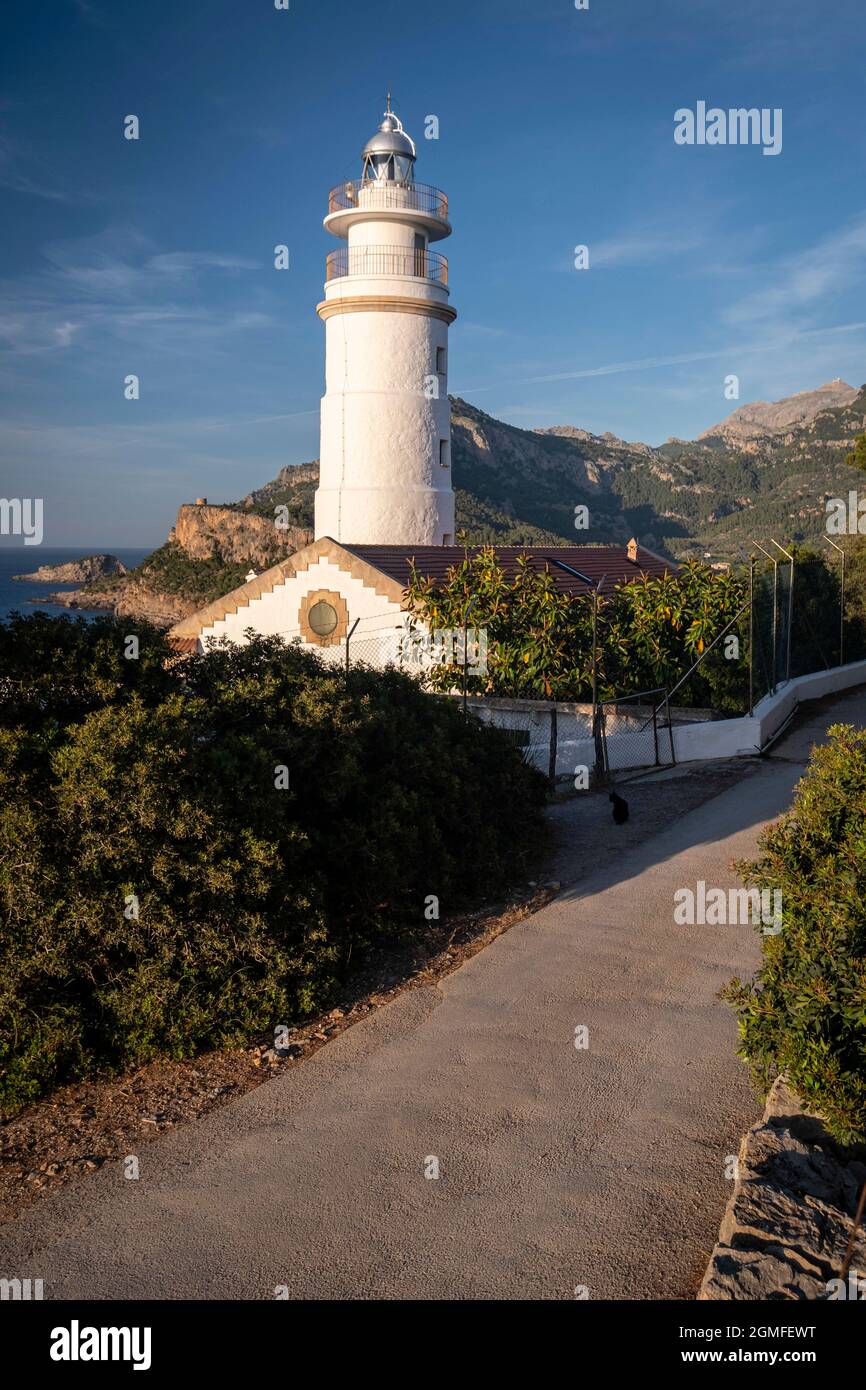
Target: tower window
[440, 361]
[444, 453]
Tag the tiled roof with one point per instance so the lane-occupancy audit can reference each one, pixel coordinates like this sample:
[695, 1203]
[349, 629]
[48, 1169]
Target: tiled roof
[595, 561]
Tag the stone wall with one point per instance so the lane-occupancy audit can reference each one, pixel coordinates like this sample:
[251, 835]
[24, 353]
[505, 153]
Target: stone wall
[788, 1222]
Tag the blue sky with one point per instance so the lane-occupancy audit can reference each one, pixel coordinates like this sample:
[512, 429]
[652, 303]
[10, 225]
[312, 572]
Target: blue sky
[155, 257]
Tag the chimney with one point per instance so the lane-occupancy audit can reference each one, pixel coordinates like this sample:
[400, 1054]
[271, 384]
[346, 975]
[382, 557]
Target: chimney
[631, 550]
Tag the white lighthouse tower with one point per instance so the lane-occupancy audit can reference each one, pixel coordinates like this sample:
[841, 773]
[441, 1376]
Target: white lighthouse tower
[385, 458]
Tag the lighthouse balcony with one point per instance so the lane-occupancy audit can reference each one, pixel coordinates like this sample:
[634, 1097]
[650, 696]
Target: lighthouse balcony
[361, 200]
[384, 193]
[389, 261]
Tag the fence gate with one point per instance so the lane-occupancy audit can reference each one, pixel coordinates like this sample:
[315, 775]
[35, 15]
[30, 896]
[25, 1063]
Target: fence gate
[635, 732]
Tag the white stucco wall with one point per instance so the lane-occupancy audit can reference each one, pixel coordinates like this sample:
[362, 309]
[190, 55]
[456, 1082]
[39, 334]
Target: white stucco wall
[278, 612]
[725, 738]
[381, 480]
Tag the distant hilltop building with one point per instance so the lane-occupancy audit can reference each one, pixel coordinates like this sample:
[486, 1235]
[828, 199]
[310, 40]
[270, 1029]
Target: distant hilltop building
[385, 498]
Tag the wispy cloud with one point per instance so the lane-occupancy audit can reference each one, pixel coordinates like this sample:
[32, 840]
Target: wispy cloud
[478, 330]
[730, 353]
[21, 171]
[116, 286]
[801, 285]
[643, 249]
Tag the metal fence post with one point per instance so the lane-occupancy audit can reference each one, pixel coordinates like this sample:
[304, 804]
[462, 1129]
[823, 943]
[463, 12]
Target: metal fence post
[842, 616]
[551, 766]
[348, 640]
[790, 557]
[841, 602]
[775, 563]
[671, 732]
[751, 635]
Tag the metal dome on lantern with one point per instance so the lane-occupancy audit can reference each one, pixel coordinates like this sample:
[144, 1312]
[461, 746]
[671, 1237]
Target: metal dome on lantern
[390, 154]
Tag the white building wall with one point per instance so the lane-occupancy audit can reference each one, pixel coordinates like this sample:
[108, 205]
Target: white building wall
[278, 612]
[381, 480]
[381, 475]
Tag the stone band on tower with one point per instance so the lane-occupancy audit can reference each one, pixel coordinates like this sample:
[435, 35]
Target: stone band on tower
[385, 457]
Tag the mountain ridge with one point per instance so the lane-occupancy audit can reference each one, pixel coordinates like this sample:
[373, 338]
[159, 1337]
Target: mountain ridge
[684, 499]
[758, 419]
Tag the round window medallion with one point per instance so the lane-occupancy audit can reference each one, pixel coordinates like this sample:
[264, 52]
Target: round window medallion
[322, 618]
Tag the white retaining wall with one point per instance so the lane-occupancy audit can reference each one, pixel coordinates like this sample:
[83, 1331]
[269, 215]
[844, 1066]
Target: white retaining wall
[726, 738]
[694, 740]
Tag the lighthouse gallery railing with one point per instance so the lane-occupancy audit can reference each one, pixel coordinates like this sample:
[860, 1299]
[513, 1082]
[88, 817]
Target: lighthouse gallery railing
[387, 260]
[420, 197]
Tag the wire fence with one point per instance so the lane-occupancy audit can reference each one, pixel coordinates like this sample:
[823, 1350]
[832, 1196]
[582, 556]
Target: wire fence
[794, 622]
[636, 731]
[530, 726]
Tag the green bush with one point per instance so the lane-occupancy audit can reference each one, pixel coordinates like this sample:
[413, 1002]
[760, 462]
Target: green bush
[253, 901]
[804, 1013]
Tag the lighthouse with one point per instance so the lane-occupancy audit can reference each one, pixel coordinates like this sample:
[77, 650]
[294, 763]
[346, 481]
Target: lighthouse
[385, 455]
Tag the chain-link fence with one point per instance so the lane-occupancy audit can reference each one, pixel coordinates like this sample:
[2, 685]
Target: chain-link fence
[377, 641]
[798, 622]
[636, 732]
[532, 726]
[772, 595]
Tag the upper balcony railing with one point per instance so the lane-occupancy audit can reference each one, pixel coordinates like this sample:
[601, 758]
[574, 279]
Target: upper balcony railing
[376, 193]
[387, 260]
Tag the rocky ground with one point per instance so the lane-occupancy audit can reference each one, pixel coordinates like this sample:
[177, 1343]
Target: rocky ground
[133, 600]
[790, 1218]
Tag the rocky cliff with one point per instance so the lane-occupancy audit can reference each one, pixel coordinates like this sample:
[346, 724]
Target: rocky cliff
[208, 552]
[136, 599]
[82, 571]
[236, 535]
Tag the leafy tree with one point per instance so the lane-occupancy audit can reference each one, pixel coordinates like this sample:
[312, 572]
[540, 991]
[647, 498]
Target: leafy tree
[660, 626]
[540, 639]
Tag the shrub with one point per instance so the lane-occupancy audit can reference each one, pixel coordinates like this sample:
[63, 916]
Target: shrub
[805, 1011]
[55, 670]
[252, 900]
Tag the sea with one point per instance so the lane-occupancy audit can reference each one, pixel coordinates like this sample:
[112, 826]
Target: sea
[22, 595]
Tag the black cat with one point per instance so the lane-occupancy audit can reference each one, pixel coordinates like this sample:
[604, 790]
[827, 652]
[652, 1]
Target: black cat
[620, 808]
